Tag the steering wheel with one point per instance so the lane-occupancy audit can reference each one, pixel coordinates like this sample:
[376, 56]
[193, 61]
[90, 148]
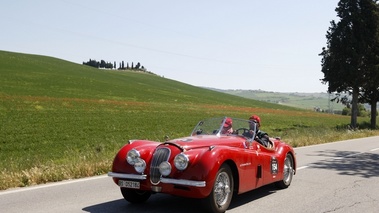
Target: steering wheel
[245, 131]
[199, 132]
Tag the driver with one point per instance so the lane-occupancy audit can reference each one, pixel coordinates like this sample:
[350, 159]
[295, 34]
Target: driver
[260, 136]
[227, 128]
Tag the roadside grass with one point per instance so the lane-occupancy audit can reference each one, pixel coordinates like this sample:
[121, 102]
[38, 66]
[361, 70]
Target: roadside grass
[60, 120]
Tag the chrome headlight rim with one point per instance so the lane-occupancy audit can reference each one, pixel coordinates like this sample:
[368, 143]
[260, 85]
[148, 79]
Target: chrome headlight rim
[181, 161]
[165, 168]
[132, 156]
[140, 165]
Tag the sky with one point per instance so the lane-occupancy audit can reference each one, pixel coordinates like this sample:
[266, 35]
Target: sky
[243, 44]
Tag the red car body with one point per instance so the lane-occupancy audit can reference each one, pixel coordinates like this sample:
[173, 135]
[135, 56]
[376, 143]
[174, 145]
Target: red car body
[218, 165]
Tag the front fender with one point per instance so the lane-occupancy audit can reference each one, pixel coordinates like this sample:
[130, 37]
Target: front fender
[205, 163]
[120, 165]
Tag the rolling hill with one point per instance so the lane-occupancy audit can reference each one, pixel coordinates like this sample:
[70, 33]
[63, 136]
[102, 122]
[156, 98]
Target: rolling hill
[310, 101]
[32, 75]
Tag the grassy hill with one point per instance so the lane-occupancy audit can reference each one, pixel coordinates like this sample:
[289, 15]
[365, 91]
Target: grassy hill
[61, 120]
[310, 101]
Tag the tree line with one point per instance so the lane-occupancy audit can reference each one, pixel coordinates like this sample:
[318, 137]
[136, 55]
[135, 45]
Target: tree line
[350, 60]
[108, 65]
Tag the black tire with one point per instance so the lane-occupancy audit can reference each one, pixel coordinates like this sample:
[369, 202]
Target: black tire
[288, 172]
[222, 192]
[134, 195]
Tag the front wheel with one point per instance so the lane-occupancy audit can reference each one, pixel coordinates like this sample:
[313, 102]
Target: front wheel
[288, 172]
[220, 197]
[134, 195]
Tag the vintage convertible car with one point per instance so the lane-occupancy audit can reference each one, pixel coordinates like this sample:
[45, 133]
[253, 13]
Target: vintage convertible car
[210, 164]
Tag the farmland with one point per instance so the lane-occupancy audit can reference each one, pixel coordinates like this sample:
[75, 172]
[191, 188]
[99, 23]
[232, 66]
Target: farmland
[61, 120]
[311, 101]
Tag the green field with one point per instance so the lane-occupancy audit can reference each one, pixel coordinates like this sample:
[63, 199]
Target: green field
[61, 120]
[310, 101]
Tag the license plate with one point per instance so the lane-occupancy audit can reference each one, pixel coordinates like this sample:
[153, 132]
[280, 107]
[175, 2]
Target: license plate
[129, 184]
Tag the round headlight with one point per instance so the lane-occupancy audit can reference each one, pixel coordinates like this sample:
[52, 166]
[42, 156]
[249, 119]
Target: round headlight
[181, 161]
[165, 168]
[139, 165]
[132, 156]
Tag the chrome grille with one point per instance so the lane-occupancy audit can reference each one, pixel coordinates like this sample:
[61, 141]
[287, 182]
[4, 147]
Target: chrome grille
[160, 155]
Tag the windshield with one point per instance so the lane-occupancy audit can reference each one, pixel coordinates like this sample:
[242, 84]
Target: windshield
[225, 126]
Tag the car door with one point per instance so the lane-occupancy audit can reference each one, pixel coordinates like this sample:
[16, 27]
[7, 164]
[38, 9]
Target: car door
[269, 164]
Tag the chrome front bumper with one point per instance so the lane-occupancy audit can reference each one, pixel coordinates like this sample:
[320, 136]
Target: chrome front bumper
[163, 180]
[127, 176]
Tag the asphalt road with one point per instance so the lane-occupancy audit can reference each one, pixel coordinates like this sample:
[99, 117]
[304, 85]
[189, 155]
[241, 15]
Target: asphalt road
[335, 177]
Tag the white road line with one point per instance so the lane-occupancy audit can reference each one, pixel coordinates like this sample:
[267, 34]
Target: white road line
[302, 167]
[323, 144]
[373, 150]
[29, 188]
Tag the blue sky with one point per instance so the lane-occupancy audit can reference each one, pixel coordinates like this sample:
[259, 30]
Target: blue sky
[246, 44]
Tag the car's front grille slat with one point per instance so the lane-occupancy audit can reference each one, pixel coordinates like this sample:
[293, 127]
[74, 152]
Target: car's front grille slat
[160, 155]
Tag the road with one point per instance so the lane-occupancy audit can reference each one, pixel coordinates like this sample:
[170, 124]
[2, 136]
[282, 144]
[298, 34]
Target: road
[334, 177]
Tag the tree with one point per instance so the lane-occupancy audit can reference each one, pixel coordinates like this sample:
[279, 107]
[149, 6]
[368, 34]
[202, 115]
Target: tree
[138, 65]
[345, 61]
[92, 63]
[102, 64]
[370, 88]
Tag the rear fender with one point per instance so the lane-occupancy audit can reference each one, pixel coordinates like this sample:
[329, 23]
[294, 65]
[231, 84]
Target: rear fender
[282, 150]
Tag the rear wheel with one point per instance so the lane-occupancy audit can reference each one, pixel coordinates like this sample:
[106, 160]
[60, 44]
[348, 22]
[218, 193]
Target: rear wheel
[134, 195]
[220, 197]
[287, 173]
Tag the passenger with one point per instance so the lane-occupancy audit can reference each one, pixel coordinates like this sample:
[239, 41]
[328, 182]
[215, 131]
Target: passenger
[260, 136]
[227, 128]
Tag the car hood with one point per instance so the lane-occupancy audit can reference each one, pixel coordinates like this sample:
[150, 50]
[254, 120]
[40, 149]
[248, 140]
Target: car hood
[200, 141]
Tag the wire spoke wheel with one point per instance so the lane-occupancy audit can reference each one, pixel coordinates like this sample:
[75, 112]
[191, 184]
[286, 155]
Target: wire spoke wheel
[220, 197]
[288, 171]
[222, 188]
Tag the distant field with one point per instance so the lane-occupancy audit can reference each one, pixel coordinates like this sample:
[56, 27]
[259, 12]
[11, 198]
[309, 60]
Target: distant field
[61, 120]
[308, 101]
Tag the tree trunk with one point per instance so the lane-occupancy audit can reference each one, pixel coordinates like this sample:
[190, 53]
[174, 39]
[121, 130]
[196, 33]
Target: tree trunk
[373, 114]
[354, 109]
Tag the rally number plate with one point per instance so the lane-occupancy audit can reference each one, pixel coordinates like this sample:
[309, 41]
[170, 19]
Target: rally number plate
[129, 184]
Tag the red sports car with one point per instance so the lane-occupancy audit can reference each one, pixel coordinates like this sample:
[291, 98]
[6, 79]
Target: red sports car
[221, 157]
